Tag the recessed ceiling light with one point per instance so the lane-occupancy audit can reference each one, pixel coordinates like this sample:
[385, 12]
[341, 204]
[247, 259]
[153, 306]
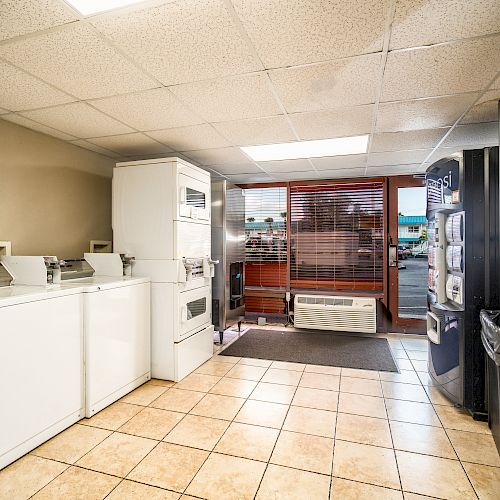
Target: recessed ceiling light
[308, 149]
[88, 7]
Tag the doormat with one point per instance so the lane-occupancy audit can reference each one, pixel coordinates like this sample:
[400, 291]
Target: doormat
[330, 348]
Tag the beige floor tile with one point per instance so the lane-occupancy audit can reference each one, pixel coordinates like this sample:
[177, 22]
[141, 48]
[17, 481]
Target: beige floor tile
[320, 381]
[216, 406]
[424, 439]
[220, 358]
[227, 477]
[285, 365]
[303, 451]
[164, 383]
[169, 466]
[409, 411]
[420, 366]
[214, 368]
[198, 382]
[474, 447]
[417, 355]
[78, 484]
[425, 378]
[406, 392]
[247, 372]
[197, 432]
[283, 483]
[353, 372]
[71, 444]
[152, 423]
[432, 476]
[361, 386]
[404, 377]
[369, 406]
[316, 398]
[485, 479]
[255, 362]
[404, 364]
[413, 496]
[327, 370]
[437, 397]
[129, 490]
[112, 417]
[460, 420]
[233, 387]
[262, 413]
[415, 344]
[310, 421]
[365, 430]
[286, 377]
[367, 464]
[144, 395]
[118, 454]
[248, 441]
[26, 476]
[344, 489]
[273, 393]
[178, 400]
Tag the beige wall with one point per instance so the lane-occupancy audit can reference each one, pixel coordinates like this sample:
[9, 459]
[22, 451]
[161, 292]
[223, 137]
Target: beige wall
[54, 197]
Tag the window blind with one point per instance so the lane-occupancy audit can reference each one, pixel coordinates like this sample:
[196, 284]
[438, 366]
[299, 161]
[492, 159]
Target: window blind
[337, 236]
[265, 248]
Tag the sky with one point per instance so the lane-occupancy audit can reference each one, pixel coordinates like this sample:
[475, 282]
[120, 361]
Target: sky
[412, 201]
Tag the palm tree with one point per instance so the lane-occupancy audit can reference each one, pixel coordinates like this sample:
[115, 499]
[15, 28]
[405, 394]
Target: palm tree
[250, 219]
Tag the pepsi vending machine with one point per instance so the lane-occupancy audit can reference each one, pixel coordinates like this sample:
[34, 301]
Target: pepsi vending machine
[462, 207]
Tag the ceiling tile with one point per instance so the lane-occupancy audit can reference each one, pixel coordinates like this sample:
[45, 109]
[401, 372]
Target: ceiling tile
[232, 98]
[422, 113]
[346, 82]
[20, 17]
[131, 144]
[339, 122]
[249, 178]
[82, 143]
[425, 22]
[23, 91]
[150, 110]
[296, 176]
[442, 153]
[78, 61]
[25, 122]
[286, 166]
[182, 41]
[190, 138]
[219, 156]
[342, 173]
[254, 131]
[486, 110]
[473, 135]
[243, 168]
[453, 68]
[412, 168]
[78, 119]
[413, 139]
[340, 162]
[397, 157]
[288, 32]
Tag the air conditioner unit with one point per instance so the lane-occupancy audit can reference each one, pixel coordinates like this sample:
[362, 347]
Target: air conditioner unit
[347, 314]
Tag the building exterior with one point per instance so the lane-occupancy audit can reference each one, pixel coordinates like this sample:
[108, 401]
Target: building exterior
[412, 230]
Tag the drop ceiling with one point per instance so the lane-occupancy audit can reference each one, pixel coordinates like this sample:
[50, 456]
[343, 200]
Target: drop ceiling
[199, 78]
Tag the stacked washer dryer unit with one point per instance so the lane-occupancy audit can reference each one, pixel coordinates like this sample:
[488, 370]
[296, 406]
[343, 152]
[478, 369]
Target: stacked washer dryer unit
[161, 215]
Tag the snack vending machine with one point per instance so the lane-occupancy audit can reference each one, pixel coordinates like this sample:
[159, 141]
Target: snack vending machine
[462, 193]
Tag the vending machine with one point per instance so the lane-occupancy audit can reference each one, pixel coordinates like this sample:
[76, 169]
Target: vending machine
[462, 200]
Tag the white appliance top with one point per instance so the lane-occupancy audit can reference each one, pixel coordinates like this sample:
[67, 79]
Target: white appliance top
[170, 159]
[95, 283]
[20, 294]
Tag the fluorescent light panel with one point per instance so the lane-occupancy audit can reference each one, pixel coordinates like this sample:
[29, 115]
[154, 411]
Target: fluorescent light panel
[88, 7]
[308, 149]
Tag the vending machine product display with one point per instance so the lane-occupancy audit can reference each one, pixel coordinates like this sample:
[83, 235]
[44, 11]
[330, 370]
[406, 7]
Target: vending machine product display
[462, 191]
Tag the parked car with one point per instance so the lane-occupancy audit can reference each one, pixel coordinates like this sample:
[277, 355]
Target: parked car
[403, 252]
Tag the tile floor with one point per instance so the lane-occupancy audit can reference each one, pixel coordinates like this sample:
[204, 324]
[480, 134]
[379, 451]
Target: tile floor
[246, 428]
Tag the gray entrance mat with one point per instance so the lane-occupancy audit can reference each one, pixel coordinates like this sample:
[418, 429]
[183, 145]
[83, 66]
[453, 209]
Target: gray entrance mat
[330, 349]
